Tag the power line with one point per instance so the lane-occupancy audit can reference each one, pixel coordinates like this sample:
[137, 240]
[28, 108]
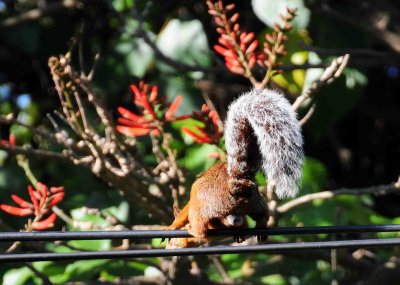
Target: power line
[263, 248]
[149, 234]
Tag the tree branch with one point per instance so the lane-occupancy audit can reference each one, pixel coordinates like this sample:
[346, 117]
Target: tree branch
[328, 76]
[35, 14]
[377, 190]
[30, 152]
[391, 39]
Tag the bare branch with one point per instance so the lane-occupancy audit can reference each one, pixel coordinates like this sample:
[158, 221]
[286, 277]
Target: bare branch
[42, 276]
[328, 76]
[30, 152]
[81, 110]
[91, 72]
[377, 190]
[308, 115]
[35, 14]
[11, 120]
[391, 39]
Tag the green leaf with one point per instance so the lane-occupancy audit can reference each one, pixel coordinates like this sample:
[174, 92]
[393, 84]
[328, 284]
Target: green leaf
[260, 178]
[184, 41]
[6, 108]
[84, 270]
[81, 215]
[18, 276]
[233, 264]
[196, 158]
[314, 176]
[138, 55]
[92, 245]
[356, 212]
[58, 248]
[121, 212]
[354, 78]
[268, 11]
[318, 213]
[183, 86]
[275, 279]
[122, 5]
[54, 271]
[121, 269]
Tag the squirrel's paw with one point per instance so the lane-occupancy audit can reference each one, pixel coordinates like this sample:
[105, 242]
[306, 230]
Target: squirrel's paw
[262, 238]
[239, 239]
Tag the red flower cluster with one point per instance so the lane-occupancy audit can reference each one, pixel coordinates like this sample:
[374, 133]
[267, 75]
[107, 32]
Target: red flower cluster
[240, 49]
[42, 200]
[236, 46]
[210, 131]
[273, 46]
[153, 112]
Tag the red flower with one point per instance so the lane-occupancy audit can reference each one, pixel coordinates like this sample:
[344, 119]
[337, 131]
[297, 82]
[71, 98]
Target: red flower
[148, 120]
[237, 47]
[42, 200]
[236, 51]
[46, 223]
[210, 132]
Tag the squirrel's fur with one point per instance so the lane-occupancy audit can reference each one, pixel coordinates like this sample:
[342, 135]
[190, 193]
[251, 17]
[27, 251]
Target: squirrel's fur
[261, 129]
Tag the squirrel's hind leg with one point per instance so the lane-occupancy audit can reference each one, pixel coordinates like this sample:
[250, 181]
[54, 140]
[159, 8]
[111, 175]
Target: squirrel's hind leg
[198, 228]
[198, 225]
[261, 217]
[181, 219]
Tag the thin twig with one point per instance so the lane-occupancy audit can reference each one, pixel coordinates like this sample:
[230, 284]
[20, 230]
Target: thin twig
[11, 120]
[391, 39]
[61, 214]
[222, 271]
[81, 110]
[80, 49]
[14, 150]
[24, 164]
[13, 247]
[36, 14]
[378, 190]
[45, 279]
[92, 70]
[308, 115]
[328, 76]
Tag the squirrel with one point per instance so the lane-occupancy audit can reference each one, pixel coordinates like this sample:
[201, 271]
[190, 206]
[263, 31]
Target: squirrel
[261, 130]
[229, 221]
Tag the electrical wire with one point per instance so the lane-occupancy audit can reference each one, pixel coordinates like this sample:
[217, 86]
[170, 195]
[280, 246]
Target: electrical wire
[149, 234]
[262, 248]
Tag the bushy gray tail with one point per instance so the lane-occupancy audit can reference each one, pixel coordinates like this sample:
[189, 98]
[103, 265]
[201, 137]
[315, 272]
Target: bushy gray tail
[262, 129]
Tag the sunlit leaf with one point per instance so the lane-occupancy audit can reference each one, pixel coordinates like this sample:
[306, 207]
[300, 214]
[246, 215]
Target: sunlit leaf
[268, 11]
[192, 46]
[18, 276]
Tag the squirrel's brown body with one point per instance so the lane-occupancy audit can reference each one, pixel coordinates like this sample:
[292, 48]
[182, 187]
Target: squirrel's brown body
[261, 130]
[213, 199]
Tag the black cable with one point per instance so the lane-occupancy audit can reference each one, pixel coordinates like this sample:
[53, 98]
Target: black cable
[143, 253]
[148, 234]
